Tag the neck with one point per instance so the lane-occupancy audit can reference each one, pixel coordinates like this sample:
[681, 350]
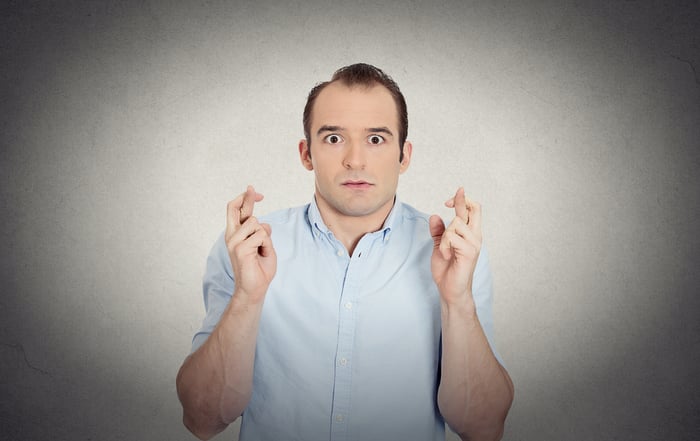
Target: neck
[350, 229]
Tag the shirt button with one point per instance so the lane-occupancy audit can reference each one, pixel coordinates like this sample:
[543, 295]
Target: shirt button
[343, 361]
[339, 418]
[340, 253]
[348, 305]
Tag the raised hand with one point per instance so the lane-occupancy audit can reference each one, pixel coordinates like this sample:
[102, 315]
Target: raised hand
[250, 249]
[456, 248]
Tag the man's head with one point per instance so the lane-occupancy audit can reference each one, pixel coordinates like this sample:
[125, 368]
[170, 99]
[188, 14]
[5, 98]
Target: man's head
[361, 75]
[359, 146]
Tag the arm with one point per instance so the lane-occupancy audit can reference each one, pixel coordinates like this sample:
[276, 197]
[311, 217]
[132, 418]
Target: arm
[215, 382]
[475, 391]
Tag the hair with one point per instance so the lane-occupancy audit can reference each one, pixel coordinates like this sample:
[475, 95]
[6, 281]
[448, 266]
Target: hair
[361, 74]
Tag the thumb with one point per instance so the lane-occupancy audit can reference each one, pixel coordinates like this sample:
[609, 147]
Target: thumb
[437, 227]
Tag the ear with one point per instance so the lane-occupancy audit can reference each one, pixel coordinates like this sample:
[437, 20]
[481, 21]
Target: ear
[305, 155]
[407, 151]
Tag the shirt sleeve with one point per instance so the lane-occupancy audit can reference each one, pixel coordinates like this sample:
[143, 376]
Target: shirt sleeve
[482, 291]
[217, 289]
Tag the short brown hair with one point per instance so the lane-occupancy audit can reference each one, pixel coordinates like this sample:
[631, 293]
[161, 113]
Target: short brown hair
[364, 75]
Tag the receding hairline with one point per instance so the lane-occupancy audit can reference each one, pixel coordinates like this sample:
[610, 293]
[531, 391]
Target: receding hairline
[368, 77]
[352, 86]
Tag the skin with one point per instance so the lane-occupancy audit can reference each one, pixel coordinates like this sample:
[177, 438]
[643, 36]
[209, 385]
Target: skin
[356, 165]
[355, 160]
[475, 391]
[215, 383]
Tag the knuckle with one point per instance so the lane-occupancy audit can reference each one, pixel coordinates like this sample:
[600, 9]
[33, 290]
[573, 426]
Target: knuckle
[456, 222]
[238, 250]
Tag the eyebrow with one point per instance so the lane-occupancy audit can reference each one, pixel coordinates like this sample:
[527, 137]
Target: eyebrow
[329, 129]
[380, 130]
[340, 129]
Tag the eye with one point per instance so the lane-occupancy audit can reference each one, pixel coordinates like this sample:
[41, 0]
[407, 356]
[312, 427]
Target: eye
[333, 139]
[375, 139]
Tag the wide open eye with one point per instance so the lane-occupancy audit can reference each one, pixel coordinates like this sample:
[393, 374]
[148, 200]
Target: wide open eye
[333, 139]
[375, 139]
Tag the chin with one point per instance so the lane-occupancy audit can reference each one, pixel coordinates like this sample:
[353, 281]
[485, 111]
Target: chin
[356, 210]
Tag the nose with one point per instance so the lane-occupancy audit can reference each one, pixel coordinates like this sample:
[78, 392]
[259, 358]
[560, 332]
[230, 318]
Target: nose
[355, 156]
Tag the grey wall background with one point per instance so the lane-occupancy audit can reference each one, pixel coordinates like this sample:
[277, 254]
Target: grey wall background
[127, 126]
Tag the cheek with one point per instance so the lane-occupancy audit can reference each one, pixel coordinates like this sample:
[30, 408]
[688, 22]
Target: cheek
[391, 165]
[323, 172]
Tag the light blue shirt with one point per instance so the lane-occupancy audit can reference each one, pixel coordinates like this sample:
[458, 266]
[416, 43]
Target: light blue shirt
[348, 347]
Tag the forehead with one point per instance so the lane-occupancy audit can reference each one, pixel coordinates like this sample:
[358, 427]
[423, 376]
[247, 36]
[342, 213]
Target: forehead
[355, 107]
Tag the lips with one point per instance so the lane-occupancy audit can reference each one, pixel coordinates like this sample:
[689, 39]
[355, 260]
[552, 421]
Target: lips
[356, 184]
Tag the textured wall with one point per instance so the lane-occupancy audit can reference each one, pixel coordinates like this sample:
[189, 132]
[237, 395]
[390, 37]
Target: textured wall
[125, 128]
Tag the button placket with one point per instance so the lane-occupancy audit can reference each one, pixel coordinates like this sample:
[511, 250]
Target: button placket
[355, 274]
[346, 335]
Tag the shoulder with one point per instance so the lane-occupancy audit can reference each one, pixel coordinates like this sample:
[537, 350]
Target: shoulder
[412, 214]
[290, 227]
[411, 219]
[278, 220]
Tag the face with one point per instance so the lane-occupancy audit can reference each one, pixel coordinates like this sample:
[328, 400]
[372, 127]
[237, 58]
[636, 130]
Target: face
[354, 150]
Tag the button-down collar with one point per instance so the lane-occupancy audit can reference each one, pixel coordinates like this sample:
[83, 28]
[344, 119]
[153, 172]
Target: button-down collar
[319, 227]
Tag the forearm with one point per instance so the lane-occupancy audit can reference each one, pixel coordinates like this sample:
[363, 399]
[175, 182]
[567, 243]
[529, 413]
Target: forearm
[475, 392]
[215, 382]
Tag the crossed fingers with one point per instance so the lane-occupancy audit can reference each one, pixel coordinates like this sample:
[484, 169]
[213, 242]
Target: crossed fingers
[463, 236]
[241, 225]
[241, 208]
[466, 209]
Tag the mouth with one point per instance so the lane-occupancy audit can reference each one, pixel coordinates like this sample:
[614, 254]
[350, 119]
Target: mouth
[356, 184]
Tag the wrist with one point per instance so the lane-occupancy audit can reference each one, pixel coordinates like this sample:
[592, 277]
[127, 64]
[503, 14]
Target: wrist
[243, 300]
[462, 306]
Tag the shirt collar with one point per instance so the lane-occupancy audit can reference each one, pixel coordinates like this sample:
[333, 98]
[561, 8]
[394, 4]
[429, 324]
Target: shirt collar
[315, 219]
[317, 225]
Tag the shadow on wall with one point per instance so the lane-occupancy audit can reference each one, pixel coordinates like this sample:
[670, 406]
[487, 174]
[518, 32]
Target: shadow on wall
[88, 402]
[633, 375]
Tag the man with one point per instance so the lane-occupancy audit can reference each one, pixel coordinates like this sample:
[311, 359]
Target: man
[355, 317]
